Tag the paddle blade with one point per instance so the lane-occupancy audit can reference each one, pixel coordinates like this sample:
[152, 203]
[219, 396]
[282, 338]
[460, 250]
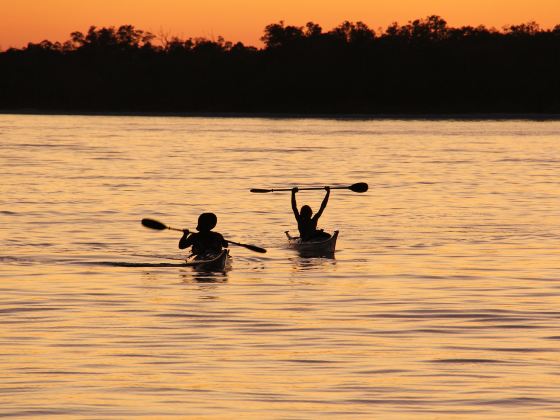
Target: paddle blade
[255, 248]
[153, 224]
[259, 190]
[251, 247]
[360, 187]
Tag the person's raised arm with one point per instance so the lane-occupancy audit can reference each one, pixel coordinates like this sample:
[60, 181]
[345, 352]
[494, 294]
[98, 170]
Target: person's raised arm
[323, 204]
[294, 203]
[184, 242]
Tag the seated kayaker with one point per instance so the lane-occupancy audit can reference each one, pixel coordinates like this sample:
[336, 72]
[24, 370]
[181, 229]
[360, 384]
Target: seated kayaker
[205, 241]
[307, 223]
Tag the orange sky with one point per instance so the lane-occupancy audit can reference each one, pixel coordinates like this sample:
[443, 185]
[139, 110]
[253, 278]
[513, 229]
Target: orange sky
[243, 20]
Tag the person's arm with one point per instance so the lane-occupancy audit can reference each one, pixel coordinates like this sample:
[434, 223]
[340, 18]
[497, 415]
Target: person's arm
[185, 242]
[225, 243]
[294, 204]
[323, 204]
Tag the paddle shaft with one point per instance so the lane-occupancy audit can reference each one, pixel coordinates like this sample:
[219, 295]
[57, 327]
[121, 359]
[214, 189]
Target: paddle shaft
[178, 230]
[303, 189]
[154, 224]
[359, 187]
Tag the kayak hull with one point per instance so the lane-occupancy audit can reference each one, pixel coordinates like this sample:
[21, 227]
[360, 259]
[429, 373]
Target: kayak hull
[325, 247]
[212, 262]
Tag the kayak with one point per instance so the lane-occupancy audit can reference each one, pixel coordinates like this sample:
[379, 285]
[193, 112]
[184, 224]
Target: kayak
[325, 247]
[210, 262]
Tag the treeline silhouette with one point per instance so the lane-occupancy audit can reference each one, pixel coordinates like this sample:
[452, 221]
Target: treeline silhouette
[423, 67]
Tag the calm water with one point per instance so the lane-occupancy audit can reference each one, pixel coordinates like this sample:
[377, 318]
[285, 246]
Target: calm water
[443, 301]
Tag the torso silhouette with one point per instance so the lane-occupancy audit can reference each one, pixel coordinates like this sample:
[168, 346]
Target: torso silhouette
[307, 227]
[204, 242]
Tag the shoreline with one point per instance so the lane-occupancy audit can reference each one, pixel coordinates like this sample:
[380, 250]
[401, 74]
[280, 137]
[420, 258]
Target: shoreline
[278, 115]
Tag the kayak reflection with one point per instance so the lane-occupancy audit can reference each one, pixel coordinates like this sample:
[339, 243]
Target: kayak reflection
[312, 263]
[205, 277]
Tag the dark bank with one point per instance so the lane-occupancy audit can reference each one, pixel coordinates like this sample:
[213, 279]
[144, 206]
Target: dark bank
[423, 68]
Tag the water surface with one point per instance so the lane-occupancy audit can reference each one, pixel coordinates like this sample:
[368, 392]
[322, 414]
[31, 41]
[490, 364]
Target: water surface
[443, 300]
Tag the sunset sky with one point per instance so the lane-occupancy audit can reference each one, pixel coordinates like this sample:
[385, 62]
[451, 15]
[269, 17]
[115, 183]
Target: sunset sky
[243, 20]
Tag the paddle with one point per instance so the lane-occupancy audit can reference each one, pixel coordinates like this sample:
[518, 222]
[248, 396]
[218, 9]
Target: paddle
[359, 187]
[154, 224]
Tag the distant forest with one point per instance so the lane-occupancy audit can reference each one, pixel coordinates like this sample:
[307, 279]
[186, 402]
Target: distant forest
[423, 67]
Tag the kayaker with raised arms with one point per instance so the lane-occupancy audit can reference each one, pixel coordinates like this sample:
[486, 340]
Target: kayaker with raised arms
[307, 222]
[205, 241]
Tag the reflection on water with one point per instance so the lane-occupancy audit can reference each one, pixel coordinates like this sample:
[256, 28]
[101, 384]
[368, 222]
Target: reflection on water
[134, 264]
[442, 301]
[302, 262]
[208, 277]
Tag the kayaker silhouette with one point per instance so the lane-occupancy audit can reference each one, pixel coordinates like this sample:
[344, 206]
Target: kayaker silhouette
[307, 223]
[205, 241]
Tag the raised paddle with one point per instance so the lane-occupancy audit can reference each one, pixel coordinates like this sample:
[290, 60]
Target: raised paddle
[154, 224]
[359, 187]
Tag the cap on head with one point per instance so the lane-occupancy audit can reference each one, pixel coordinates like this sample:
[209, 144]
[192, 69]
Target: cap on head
[206, 222]
[306, 211]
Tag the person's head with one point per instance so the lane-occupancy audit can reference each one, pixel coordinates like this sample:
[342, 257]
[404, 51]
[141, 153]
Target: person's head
[305, 212]
[206, 222]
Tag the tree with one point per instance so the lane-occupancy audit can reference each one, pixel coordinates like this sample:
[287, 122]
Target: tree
[354, 33]
[312, 30]
[277, 35]
[125, 37]
[525, 29]
[432, 28]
